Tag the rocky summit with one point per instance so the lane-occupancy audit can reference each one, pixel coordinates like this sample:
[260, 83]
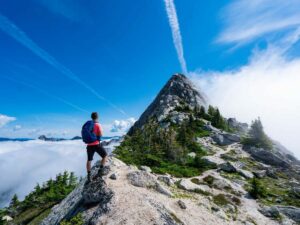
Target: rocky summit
[184, 163]
[178, 90]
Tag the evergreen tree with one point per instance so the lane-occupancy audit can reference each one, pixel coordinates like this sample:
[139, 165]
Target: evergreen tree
[202, 111]
[218, 121]
[37, 189]
[65, 178]
[14, 201]
[257, 130]
[50, 183]
[72, 180]
[211, 111]
[257, 136]
[59, 179]
[173, 149]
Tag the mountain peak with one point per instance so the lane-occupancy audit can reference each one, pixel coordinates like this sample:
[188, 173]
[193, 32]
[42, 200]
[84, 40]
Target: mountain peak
[177, 91]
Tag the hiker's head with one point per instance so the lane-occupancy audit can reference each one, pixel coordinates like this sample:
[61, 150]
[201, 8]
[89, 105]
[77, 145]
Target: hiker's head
[94, 116]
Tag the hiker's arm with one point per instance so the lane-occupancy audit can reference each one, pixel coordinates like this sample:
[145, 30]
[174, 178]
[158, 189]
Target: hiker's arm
[99, 132]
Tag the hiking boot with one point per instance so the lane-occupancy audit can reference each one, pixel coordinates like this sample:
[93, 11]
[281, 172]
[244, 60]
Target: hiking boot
[103, 170]
[88, 180]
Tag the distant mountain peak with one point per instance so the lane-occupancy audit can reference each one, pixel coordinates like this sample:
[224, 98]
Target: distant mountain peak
[177, 91]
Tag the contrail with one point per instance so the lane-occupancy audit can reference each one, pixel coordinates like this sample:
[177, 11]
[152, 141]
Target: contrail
[11, 29]
[47, 94]
[177, 39]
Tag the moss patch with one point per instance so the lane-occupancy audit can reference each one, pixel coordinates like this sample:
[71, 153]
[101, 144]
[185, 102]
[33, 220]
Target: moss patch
[209, 180]
[220, 200]
[195, 181]
[175, 218]
[199, 191]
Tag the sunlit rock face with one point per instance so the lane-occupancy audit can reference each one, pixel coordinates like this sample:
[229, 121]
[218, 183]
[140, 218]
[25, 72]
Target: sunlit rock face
[177, 90]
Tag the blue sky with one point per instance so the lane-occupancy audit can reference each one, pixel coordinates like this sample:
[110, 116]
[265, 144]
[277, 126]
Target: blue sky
[123, 51]
[62, 59]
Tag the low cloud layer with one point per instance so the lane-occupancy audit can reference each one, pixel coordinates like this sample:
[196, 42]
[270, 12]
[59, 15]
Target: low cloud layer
[122, 126]
[23, 164]
[268, 86]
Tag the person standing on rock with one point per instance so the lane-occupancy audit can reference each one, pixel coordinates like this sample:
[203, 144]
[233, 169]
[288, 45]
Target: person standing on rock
[91, 134]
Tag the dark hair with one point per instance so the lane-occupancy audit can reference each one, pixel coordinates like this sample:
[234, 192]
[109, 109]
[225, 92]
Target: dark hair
[94, 115]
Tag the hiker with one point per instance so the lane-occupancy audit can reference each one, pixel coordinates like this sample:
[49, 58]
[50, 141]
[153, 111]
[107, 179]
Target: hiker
[91, 135]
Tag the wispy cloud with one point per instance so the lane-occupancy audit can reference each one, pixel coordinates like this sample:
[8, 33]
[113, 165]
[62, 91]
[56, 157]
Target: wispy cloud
[246, 20]
[268, 85]
[177, 39]
[12, 30]
[72, 10]
[47, 94]
[4, 119]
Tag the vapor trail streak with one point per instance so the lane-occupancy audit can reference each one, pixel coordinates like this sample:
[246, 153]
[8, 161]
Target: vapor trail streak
[177, 39]
[12, 30]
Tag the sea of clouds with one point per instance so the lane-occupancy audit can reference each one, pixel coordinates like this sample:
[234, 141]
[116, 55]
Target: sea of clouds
[24, 164]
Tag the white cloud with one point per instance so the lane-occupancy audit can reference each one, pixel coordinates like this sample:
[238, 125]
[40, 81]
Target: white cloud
[176, 34]
[37, 161]
[246, 20]
[268, 86]
[5, 120]
[23, 164]
[122, 126]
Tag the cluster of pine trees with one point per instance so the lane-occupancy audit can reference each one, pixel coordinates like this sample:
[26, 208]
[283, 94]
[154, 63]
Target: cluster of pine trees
[257, 137]
[43, 196]
[51, 191]
[214, 116]
[166, 150]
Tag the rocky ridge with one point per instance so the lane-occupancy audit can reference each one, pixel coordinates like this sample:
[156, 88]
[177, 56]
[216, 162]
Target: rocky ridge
[176, 91]
[219, 195]
[137, 196]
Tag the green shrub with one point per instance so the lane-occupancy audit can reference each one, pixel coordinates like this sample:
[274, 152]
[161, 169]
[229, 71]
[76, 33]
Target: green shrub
[209, 180]
[221, 200]
[203, 164]
[195, 181]
[76, 220]
[200, 191]
[176, 170]
[257, 190]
